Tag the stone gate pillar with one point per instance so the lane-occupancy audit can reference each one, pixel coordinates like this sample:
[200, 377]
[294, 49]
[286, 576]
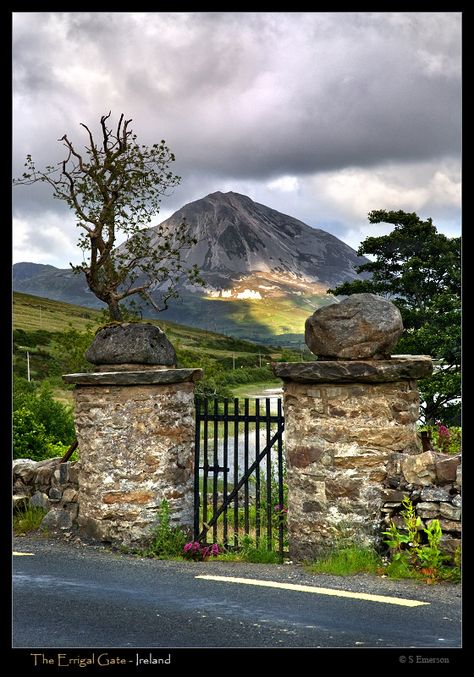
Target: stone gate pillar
[135, 425]
[343, 419]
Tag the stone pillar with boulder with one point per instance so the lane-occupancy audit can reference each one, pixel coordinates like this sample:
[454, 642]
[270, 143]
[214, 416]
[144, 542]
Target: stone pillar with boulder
[135, 426]
[345, 415]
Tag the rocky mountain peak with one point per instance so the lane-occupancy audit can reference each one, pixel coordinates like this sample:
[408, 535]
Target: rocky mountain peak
[236, 235]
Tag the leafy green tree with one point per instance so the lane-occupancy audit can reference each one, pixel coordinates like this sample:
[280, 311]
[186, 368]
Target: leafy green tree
[114, 186]
[419, 270]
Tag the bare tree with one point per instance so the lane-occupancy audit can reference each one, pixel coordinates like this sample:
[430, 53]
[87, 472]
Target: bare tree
[115, 186]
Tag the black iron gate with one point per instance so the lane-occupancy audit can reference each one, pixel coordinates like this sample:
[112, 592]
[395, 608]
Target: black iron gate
[239, 489]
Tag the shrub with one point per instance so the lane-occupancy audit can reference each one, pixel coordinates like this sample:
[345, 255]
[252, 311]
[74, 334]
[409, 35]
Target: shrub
[444, 439]
[42, 427]
[29, 436]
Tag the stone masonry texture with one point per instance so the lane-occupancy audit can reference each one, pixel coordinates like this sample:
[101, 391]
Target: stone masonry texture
[339, 441]
[136, 447]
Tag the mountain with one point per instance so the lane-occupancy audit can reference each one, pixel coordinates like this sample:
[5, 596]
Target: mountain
[237, 236]
[264, 271]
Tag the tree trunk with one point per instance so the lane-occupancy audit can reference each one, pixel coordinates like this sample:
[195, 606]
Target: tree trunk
[114, 310]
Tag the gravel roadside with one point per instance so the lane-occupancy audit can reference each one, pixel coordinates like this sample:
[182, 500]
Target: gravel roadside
[447, 593]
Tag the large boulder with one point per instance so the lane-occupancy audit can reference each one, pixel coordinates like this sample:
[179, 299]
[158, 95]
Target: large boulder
[131, 343]
[363, 326]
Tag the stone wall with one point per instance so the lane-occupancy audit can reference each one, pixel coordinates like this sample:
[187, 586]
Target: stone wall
[433, 482]
[136, 440]
[50, 485]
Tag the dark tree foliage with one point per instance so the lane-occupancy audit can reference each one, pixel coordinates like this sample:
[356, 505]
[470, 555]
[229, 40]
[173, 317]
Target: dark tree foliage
[419, 270]
[114, 185]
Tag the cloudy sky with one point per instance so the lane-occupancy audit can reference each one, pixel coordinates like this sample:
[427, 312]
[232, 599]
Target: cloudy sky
[323, 116]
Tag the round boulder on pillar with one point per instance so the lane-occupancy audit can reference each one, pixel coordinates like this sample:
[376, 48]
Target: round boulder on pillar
[361, 327]
[131, 343]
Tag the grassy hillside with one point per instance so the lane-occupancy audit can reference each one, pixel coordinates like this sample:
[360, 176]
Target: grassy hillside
[271, 321]
[56, 334]
[33, 313]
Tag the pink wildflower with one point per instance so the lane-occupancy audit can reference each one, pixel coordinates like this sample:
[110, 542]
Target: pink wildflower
[443, 431]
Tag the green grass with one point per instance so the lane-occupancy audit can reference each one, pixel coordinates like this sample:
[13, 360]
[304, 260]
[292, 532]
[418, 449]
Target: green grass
[34, 312]
[256, 389]
[250, 552]
[252, 555]
[27, 520]
[347, 561]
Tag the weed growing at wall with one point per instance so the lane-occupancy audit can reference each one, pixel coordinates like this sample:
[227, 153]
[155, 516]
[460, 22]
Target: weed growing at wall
[410, 557]
[250, 552]
[167, 540]
[27, 520]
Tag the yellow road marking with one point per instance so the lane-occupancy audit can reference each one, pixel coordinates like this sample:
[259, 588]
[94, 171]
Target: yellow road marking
[22, 554]
[318, 591]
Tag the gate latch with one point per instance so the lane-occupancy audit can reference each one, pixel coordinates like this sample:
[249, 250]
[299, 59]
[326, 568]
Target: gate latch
[214, 468]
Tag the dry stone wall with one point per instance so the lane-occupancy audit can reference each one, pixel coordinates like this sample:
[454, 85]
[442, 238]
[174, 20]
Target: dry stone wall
[50, 485]
[433, 482]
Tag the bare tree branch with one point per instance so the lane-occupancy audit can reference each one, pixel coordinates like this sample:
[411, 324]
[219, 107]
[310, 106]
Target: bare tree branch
[116, 190]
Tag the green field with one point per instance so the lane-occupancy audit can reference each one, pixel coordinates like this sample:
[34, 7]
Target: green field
[41, 327]
[37, 313]
[273, 321]
[34, 312]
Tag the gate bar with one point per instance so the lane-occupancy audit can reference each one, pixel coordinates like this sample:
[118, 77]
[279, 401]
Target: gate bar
[269, 479]
[234, 492]
[216, 465]
[257, 472]
[226, 469]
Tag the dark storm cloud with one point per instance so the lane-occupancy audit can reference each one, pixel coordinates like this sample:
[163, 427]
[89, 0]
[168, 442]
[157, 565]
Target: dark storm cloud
[243, 97]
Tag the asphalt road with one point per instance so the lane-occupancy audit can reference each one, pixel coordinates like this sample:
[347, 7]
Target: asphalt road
[70, 596]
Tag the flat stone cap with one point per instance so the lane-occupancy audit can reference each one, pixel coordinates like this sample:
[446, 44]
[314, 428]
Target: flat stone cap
[355, 371]
[134, 378]
[131, 343]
